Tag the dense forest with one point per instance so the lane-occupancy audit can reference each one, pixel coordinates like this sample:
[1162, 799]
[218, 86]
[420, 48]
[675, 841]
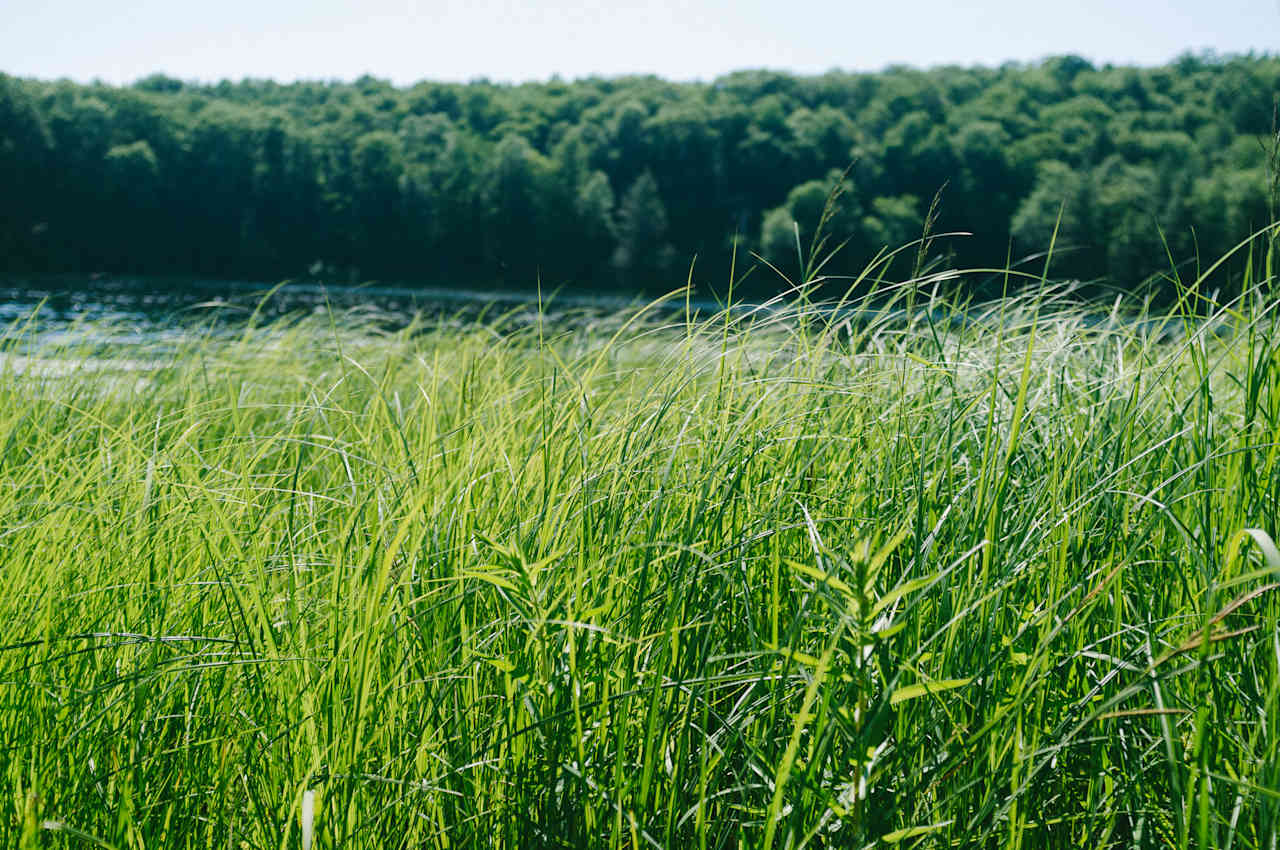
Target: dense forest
[621, 182]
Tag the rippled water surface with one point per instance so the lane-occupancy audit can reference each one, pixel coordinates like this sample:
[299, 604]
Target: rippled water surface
[155, 304]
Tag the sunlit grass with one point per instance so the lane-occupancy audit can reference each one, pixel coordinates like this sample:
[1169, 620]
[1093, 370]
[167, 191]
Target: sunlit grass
[941, 577]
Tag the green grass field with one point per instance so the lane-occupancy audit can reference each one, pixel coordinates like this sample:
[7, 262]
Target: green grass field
[946, 577]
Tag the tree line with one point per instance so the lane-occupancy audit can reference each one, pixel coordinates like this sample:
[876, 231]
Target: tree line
[620, 183]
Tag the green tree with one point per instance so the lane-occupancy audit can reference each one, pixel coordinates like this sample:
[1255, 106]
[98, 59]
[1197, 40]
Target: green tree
[133, 193]
[26, 147]
[1058, 202]
[481, 180]
[513, 193]
[594, 205]
[788, 231]
[891, 222]
[643, 256]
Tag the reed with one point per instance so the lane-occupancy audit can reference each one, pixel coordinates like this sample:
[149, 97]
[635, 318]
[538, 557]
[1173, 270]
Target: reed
[796, 576]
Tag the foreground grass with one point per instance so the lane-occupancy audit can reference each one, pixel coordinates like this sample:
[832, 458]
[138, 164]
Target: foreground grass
[969, 579]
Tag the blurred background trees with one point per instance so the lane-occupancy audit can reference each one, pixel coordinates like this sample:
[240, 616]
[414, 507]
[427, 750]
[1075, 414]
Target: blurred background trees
[618, 183]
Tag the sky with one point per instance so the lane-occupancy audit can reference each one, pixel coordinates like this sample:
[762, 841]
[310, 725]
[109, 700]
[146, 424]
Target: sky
[502, 40]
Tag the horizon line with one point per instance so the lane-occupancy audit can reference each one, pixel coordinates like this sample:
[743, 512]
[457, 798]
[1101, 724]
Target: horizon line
[1207, 55]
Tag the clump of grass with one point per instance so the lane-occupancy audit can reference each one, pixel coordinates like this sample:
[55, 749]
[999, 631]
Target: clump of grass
[965, 574]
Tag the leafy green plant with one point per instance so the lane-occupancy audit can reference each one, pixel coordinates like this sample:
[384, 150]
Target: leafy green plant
[791, 575]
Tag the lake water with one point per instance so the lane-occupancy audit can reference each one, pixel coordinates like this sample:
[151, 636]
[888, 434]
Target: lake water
[140, 310]
[165, 303]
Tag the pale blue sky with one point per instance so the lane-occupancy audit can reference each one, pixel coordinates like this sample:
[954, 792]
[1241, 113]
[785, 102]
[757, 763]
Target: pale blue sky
[409, 40]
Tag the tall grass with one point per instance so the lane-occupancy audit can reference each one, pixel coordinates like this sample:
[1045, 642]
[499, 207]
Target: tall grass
[960, 575]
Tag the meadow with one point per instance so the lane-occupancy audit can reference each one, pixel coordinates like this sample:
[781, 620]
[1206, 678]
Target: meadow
[906, 571]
